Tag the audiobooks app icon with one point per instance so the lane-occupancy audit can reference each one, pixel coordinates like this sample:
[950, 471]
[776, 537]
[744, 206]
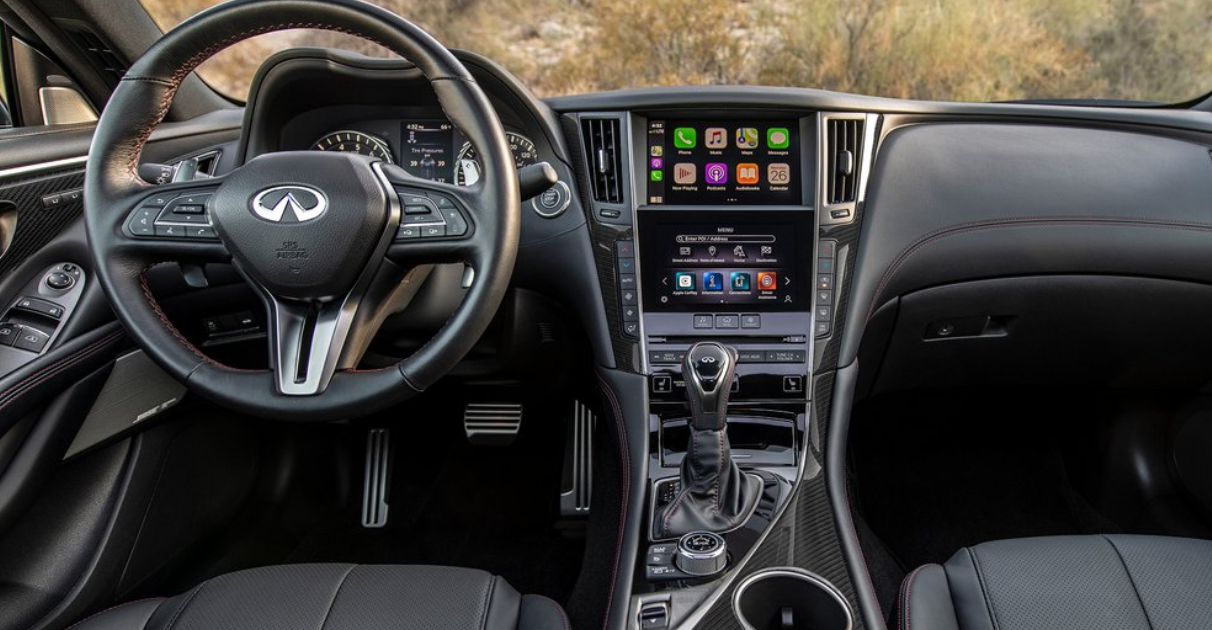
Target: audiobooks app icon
[684, 173]
[747, 174]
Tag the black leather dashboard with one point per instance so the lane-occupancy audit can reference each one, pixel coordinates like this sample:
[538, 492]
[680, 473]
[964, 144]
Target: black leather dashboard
[960, 201]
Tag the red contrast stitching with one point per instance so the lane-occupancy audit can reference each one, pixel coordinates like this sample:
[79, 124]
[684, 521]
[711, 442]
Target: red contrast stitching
[173, 83]
[907, 594]
[54, 369]
[977, 226]
[625, 452]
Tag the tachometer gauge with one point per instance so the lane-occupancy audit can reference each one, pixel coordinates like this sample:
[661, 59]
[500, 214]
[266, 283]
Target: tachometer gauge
[355, 142]
[467, 170]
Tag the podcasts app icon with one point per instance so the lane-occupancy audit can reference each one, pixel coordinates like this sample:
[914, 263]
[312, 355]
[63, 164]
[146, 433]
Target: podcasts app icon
[716, 173]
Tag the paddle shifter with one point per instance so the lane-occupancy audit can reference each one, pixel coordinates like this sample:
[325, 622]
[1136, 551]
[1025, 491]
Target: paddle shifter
[715, 495]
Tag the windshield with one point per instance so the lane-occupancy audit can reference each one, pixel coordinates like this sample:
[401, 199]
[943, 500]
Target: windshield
[953, 50]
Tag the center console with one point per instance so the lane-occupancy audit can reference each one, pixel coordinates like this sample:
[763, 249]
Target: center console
[724, 251]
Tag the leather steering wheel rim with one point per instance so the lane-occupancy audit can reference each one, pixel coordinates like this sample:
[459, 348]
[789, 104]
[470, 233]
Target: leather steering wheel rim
[113, 190]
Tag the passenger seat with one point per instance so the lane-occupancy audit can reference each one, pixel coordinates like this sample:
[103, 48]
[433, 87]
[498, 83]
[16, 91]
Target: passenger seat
[1065, 582]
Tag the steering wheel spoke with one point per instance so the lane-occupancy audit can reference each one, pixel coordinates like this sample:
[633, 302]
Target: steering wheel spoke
[306, 343]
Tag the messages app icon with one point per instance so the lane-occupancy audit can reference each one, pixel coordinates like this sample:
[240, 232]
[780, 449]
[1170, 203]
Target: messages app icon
[685, 137]
[778, 138]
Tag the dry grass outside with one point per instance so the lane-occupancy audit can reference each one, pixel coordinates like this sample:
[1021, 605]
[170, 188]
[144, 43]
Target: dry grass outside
[960, 50]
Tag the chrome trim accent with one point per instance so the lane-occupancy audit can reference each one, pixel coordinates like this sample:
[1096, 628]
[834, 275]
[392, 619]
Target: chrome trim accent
[791, 572]
[40, 167]
[870, 122]
[63, 105]
[551, 214]
[700, 563]
[332, 321]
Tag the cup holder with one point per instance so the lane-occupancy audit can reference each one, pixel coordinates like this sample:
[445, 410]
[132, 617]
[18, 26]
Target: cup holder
[790, 599]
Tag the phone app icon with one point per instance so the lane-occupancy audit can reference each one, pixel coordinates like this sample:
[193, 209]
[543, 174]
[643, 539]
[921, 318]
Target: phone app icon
[716, 138]
[746, 138]
[778, 174]
[740, 281]
[778, 138]
[713, 281]
[747, 174]
[768, 280]
[717, 173]
[657, 176]
[685, 173]
[685, 137]
[684, 281]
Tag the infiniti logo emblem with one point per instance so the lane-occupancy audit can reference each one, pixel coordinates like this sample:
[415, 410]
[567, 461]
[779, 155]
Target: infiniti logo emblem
[289, 204]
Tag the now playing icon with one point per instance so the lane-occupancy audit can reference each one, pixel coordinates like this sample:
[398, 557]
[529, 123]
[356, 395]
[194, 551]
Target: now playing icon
[685, 173]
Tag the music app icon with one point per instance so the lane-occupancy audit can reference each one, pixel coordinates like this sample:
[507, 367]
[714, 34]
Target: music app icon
[716, 138]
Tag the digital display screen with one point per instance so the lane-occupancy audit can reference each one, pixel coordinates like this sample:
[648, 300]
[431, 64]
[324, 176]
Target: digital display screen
[696, 162]
[754, 260]
[428, 150]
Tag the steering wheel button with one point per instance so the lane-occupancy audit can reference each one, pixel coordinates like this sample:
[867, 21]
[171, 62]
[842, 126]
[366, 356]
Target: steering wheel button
[190, 208]
[170, 231]
[456, 225]
[433, 231]
[143, 221]
[442, 201]
[201, 231]
[416, 209]
[408, 231]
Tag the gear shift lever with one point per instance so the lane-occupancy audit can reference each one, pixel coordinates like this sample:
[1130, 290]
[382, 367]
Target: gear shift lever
[716, 495]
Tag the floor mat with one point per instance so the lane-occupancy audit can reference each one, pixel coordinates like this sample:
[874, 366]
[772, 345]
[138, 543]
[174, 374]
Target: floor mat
[452, 503]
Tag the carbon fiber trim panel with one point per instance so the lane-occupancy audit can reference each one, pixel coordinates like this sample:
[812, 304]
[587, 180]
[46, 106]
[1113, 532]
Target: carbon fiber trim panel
[604, 237]
[36, 225]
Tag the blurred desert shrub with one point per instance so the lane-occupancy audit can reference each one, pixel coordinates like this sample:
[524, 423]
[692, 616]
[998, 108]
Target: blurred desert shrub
[968, 50]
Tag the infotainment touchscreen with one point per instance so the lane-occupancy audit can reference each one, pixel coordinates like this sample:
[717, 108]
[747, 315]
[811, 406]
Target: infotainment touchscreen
[721, 162]
[726, 261]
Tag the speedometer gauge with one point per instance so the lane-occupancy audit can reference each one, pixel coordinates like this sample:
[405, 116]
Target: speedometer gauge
[355, 142]
[467, 170]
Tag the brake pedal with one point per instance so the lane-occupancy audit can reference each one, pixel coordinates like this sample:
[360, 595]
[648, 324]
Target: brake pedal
[577, 485]
[492, 424]
[378, 472]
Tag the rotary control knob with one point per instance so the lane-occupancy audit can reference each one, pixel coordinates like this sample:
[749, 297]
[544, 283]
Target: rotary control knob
[701, 554]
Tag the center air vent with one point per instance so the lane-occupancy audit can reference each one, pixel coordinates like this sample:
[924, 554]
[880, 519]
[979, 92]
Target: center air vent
[604, 147]
[843, 155]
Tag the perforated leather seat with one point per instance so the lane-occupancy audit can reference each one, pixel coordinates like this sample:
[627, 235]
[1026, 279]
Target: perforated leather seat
[1065, 582]
[341, 597]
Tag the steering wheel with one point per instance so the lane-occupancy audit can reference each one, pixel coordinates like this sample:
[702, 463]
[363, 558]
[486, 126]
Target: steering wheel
[325, 238]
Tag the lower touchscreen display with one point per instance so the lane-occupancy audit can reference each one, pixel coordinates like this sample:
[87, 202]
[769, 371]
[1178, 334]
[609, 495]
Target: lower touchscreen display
[725, 261]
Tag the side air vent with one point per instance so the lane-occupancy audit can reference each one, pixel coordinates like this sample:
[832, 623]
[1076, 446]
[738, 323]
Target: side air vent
[99, 53]
[604, 146]
[844, 154]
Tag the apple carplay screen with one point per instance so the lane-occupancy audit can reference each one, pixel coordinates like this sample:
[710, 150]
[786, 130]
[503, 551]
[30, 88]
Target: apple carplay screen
[723, 162]
[725, 261]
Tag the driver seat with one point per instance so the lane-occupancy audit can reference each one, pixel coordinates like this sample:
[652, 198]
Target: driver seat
[341, 597]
